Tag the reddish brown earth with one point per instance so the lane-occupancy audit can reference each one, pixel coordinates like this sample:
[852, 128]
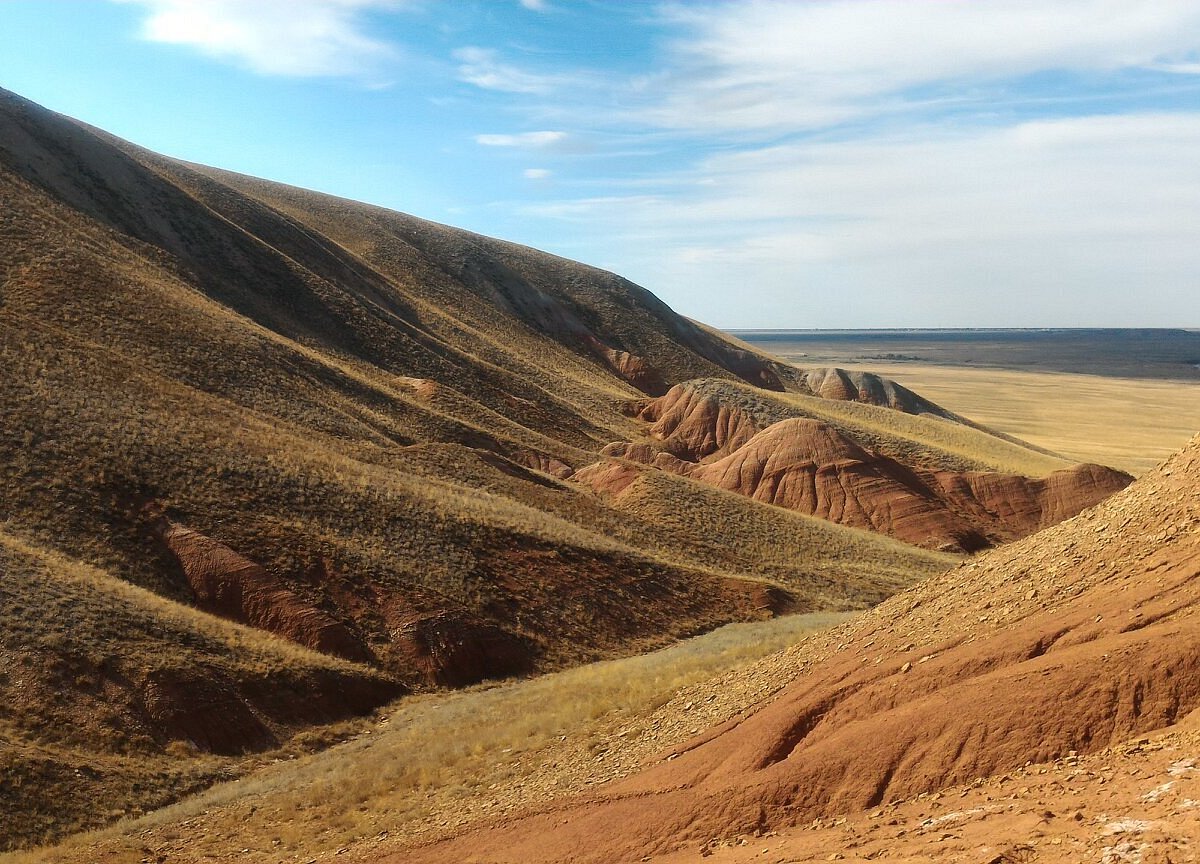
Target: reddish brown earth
[1135, 802]
[1061, 644]
[808, 466]
[454, 650]
[232, 586]
[693, 424]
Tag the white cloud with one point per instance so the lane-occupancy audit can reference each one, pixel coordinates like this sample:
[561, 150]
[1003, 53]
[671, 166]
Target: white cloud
[1184, 68]
[272, 37]
[545, 138]
[481, 67]
[536, 5]
[536, 173]
[777, 64]
[1073, 221]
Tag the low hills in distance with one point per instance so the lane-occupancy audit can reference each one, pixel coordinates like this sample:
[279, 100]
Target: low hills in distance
[273, 459]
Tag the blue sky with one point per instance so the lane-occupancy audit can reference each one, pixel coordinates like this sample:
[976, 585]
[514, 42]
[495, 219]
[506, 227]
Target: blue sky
[810, 163]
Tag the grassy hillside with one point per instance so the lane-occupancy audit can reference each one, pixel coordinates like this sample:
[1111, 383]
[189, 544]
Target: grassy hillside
[353, 429]
[114, 694]
[402, 776]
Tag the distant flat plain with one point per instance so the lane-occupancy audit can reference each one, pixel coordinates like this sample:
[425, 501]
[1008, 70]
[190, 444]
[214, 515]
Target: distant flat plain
[1125, 398]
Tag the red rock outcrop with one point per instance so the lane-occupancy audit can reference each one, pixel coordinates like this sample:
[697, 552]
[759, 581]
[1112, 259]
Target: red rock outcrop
[232, 586]
[630, 367]
[694, 425]
[609, 478]
[544, 463]
[1070, 641]
[807, 465]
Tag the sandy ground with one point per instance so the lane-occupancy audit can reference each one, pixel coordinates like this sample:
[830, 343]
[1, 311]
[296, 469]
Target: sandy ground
[1137, 803]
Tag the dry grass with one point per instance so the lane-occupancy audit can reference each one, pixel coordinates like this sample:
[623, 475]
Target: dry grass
[76, 650]
[438, 760]
[1126, 423]
[828, 566]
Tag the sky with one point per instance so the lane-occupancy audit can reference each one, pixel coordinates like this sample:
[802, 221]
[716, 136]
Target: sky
[770, 164]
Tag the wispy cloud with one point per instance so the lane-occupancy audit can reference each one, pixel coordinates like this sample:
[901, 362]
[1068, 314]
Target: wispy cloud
[1070, 221]
[536, 173]
[536, 5]
[273, 37]
[483, 68]
[775, 64]
[545, 138]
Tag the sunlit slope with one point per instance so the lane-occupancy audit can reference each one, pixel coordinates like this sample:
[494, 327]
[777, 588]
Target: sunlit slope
[929, 479]
[1061, 644]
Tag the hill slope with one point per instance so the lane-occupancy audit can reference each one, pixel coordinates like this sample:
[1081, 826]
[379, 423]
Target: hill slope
[1067, 642]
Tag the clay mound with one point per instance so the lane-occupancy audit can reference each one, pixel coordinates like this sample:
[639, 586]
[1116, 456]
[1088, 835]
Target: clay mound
[703, 419]
[609, 478]
[871, 389]
[693, 424]
[808, 466]
[1071, 641]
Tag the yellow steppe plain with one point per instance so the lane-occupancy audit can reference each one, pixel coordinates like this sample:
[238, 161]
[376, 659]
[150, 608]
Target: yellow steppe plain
[1125, 423]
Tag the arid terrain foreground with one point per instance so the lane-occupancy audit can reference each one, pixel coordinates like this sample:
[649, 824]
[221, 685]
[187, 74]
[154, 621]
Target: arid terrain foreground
[291, 482]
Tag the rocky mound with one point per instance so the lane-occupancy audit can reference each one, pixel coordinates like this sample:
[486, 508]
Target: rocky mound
[808, 466]
[1064, 643]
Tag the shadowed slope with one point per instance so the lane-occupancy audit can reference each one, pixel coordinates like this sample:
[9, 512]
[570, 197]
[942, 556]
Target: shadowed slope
[1071, 640]
[98, 679]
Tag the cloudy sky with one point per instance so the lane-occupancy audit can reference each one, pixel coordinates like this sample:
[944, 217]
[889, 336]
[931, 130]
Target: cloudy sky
[812, 163]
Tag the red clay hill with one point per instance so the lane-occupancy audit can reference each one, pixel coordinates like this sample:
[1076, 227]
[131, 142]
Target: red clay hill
[774, 454]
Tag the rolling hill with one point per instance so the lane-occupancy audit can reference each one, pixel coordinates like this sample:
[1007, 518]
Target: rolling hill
[272, 458]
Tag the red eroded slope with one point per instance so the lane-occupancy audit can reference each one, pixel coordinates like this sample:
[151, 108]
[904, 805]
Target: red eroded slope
[232, 586]
[1074, 639]
[808, 466]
